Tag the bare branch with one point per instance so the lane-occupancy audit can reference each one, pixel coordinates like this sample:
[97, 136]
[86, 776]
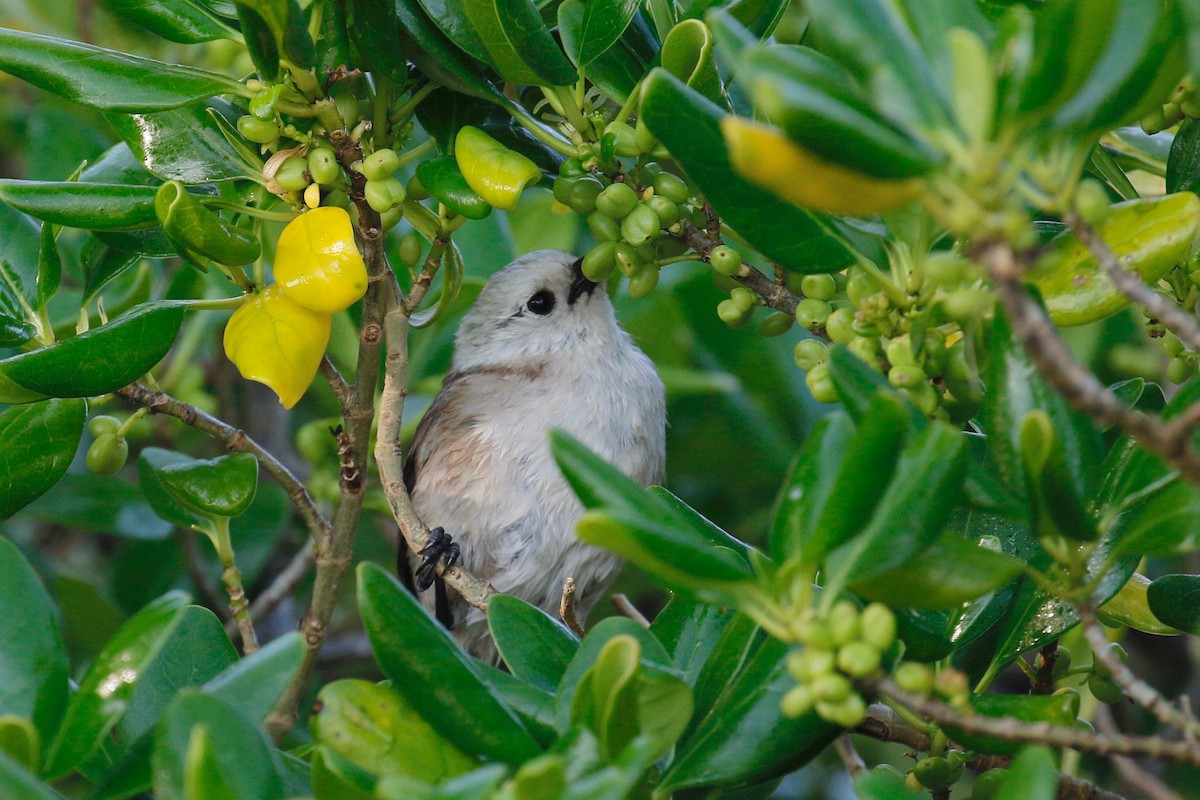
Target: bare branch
[285, 582]
[851, 760]
[566, 608]
[341, 389]
[775, 294]
[1141, 780]
[626, 608]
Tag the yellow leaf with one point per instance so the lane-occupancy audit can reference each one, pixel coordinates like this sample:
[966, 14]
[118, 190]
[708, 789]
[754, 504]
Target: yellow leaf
[765, 156]
[493, 172]
[317, 263]
[276, 341]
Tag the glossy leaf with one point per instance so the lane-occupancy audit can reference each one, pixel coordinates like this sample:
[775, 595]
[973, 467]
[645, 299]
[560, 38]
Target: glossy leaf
[1057, 709]
[199, 232]
[184, 21]
[49, 273]
[951, 572]
[535, 646]
[434, 674]
[101, 360]
[519, 43]
[1175, 599]
[1167, 521]
[90, 206]
[443, 179]
[150, 462]
[689, 126]
[106, 688]
[18, 783]
[687, 53]
[603, 23]
[450, 16]
[1031, 776]
[1183, 166]
[37, 443]
[222, 486]
[376, 729]
[616, 71]
[105, 79]
[438, 57]
[376, 31]
[745, 738]
[247, 763]
[534, 707]
[286, 23]
[1131, 607]
[255, 682]
[182, 144]
[33, 669]
[691, 631]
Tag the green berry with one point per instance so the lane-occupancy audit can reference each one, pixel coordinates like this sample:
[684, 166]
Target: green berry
[812, 313]
[257, 130]
[1114, 649]
[866, 349]
[642, 282]
[913, 677]
[775, 324]
[1105, 689]
[810, 663]
[878, 626]
[933, 353]
[1062, 664]
[859, 286]
[809, 353]
[410, 250]
[617, 200]
[725, 260]
[628, 261]
[821, 287]
[416, 190]
[107, 454]
[604, 228]
[103, 424]
[965, 305]
[1091, 201]
[900, 352]
[858, 659]
[390, 218]
[840, 326]
[848, 713]
[987, 785]
[945, 269]
[666, 210]
[906, 376]
[384, 194]
[1179, 370]
[323, 166]
[1171, 346]
[732, 314]
[599, 262]
[641, 225]
[627, 144]
[292, 174]
[1072, 701]
[744, 298]
[923, 396]
[380, 164]
[645, 139]
[671, 187]
[561, 188]
[832, 688]
[670, 247]
[582, 194]
[797, 702]
[572, 168]
[814, 633]
[821, 384]
[951, 684]
[937, 773]
[843, 622]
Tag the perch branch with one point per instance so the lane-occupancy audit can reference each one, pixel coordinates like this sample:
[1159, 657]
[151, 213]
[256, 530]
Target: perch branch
[566, 608]
[1139, 779]
[775, 295]
[626, 608]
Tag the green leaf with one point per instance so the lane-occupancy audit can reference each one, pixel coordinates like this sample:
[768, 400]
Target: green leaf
[450, 16]
[689, 126]
[603, 23]
[202, 776]
[1032, 775]
[687, 53]
[288, 29]
[535, 647]
[95, 505]
[183, 144]
[104, 79]
[254, 683]
[442, 178]
[434, 674]
[1175, 599]
[1183, 166]
[49, 273]
[1057, 709]
[37, 443]
[105, 690]
[745, 738]
[199, 232]
[150, 462]
[616, 71]
[33, 668]
[731, 650]
[74, 204]
[17, 783]
[20, 260]
[534, 707]
[437, 56]
[951, 572]
[519, 43]
[376, 729]
[248, 765]
[691, 631]
[20, 740]
[183, 21]
[1166, 521]
[222, 487]
[96, 362]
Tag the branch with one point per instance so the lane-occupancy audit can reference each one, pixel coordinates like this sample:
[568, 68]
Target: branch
[566, 609]
[626, 608]
[775, 295]
[851, 760]
[236, 441]
[1134, 687]
[285, 582]
[1078, 386]
[1179, 322]
[341, 389]
[1130, 771]
[1013, 730]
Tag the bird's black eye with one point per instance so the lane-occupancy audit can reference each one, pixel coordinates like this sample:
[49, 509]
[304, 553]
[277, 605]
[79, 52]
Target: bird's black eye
[542, 303]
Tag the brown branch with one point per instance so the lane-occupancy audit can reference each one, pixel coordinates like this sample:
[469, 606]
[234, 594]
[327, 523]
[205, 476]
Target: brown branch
[1178, 321]
[1013, 730]
[566, 608]
[775, 294]
[285, 582]
[1138, 778]
[341, 389]
[1078, 386]
[233, 439]
[626, 608]
[1134, 687]
[851, 760]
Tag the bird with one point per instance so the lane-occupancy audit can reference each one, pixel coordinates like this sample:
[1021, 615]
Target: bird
[539, 349]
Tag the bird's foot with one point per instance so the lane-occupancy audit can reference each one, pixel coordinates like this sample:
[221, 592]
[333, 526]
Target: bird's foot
[439, 545]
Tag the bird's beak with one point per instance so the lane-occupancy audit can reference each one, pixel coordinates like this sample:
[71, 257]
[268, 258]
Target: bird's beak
[580, 285]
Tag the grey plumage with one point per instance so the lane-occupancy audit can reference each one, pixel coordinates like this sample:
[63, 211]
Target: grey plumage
[480, 463]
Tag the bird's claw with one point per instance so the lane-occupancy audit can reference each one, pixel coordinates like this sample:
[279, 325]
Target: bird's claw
[439, 546]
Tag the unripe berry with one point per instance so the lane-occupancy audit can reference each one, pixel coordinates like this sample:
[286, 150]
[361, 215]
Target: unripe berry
[627, 258]
[599, 262]
[866, 349]
[583, 193]
[416, 190]
[410, 250]
[323, 166]
[900, 351]
[1114, 649]
[384, 194]
[604, 228]
[257, 130]
[640, 225]
[380, 164]
[292, 174]
[923, 396]
[643, 281]
[744, 298]
[840, 326]
[843, 622]
[1171, 346]
[945, 269]
[797, 702]
[103, 424]
[809, 353]
[671, 187]
[913, 677]
[666, 210]
[878, 626]
[859, 286]
[906, 376]
[831, 688]
[1179, 370]
[107, 454]
[858, 659]
[1105, 689]
[848, 713]
[810, 663]
[951, 684]
[626, 139]
[987, 785]
[571, 168]
[776, 324]
[821, 287]
[616, 200]
[1091, 201]
[812, 313]
[821, 384]
[732, 314]
[725, 260]
[937, 773]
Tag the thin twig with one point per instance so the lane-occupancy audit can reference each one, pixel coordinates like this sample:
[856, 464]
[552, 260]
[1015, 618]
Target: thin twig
[1134, 687]
[341, 389]
[1014, 730]
[1138, 778]
[851, 760]
[566, 608]
[626, 608]
[1178, 321]
[285, 582]
[774, 294]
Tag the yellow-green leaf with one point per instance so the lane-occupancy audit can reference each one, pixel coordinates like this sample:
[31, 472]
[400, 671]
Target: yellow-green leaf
[494, 172]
